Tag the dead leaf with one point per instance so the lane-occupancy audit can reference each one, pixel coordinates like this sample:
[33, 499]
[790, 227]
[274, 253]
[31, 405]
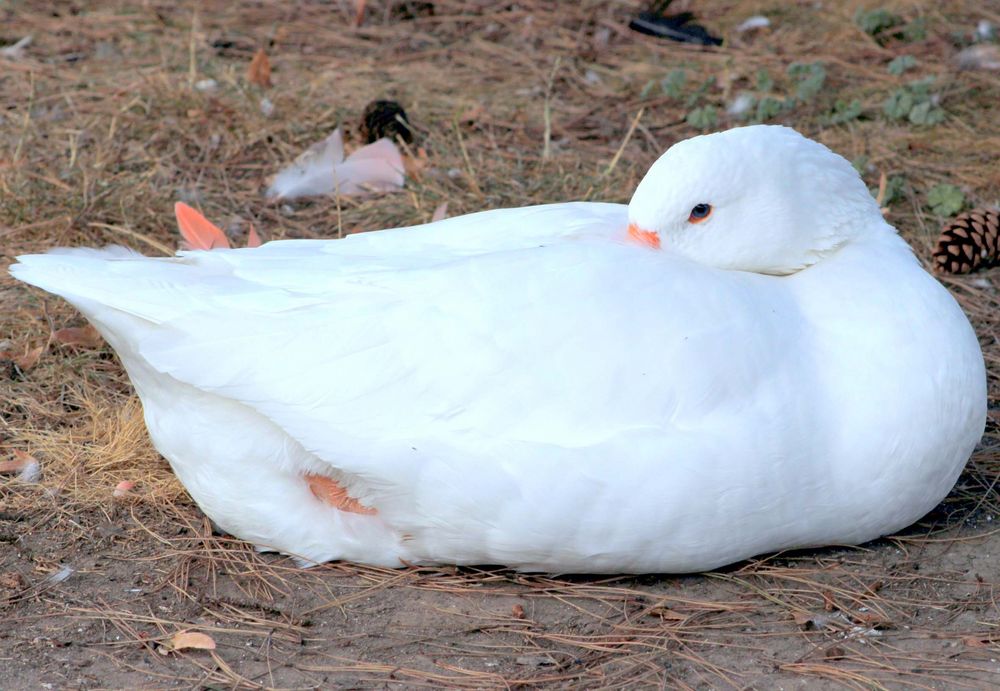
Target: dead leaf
[440, 213]
[29, 359]
[518, 611]
[359, 11]
[873, 620]
[184, 640]
[803, 619]
[974, 642]
[666, 614]
[834, 653]
[81, 336]
[414, 165]
[472, 114]
[11, 581]
[828, 604]
[259, 72]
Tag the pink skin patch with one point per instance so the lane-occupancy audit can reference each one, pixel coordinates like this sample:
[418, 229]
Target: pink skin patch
[331, 492]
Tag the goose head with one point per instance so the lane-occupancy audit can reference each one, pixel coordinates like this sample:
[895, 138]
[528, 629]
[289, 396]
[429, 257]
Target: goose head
[761, 198]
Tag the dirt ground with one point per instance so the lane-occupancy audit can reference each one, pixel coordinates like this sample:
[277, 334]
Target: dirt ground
[108, 116]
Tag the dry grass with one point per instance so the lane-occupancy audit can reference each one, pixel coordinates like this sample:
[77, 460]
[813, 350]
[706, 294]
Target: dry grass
[515, 103]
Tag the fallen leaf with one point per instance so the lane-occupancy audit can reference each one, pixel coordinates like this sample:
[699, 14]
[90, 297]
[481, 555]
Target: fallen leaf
[440, 213]
[472, 114]
[803, 619]
[874, 620]
[666, 614]
[975, 642]
[518, 611]
[198, 232]
[184, 640]
[322, 169]
[828, 604]
[123, 488]
[11, 581]
[28, 360]
[81, 336]
[414, 165]
[834, 653]
[359, 11]
[259, 72]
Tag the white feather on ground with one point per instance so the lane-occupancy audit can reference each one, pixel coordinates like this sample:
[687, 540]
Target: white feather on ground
[322, 169]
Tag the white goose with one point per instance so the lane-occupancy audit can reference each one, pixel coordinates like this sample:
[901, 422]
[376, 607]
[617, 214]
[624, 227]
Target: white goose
[744, 359]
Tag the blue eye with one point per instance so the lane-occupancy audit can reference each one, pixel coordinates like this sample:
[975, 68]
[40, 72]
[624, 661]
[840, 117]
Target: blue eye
[700, 212]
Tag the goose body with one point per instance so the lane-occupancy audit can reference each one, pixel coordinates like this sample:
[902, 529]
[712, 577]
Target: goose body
[536, 388]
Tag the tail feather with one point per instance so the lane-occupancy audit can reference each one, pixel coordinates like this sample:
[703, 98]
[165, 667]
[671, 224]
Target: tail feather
[94, 280]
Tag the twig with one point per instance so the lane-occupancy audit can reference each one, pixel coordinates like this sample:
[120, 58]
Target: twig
[625, 141]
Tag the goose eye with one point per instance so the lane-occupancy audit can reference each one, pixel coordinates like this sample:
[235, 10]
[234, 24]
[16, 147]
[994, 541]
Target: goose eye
[699, 213]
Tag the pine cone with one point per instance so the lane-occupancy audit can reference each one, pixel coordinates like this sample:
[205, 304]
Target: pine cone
[385, 119]
[968, 242]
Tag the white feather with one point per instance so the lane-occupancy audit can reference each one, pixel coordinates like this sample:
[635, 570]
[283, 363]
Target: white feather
[321, 169]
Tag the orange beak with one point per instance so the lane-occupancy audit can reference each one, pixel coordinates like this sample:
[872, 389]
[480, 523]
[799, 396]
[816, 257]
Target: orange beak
[643, 237]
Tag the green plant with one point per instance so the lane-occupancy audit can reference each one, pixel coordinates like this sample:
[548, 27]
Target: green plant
[894, 188]
[883, 26]
[902, 63]
[844, 111]
[945, 200]
[703, 118]
[926, 113]
[915, 102]
[915, 30]
[767, 108]
[673, 84]
[809, 78]
[699, 93]
[764, 80]
[877, 21]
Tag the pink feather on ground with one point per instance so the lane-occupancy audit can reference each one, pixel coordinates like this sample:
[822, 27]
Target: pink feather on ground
[253, 239]
[199, 233]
